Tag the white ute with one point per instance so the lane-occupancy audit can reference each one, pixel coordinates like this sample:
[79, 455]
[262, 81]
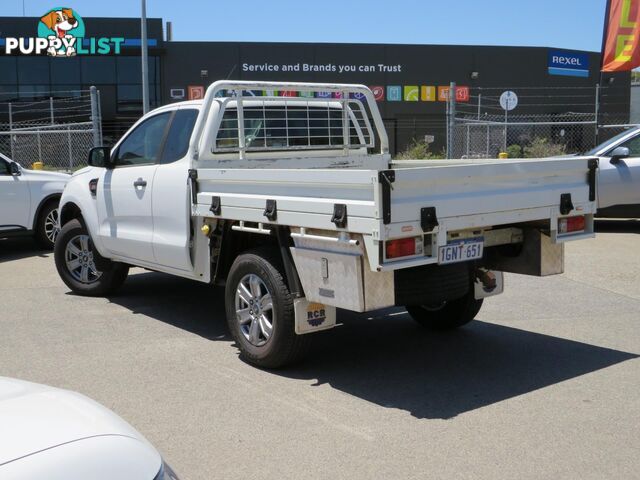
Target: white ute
[29, 202]
[285, 202]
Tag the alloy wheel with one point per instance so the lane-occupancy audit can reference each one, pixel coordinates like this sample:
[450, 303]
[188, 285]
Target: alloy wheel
[254, 310]
[52, 225]
[79, 260]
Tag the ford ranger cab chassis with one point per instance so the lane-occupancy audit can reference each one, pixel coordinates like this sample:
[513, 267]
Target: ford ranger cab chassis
[286, 194]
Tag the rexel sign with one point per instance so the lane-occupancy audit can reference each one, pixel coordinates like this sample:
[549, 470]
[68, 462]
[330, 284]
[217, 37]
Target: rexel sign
[568, 64]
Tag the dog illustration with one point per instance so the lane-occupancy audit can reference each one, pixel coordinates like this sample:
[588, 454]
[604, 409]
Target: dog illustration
[60, 21]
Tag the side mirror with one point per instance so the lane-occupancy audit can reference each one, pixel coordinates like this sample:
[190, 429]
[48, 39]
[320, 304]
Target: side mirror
[618, 154]
[100, 157]
[14, 169]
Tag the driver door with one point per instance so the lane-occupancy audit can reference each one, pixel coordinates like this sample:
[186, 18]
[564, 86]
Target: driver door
[15, 200]
[124, 201]
[619, 184]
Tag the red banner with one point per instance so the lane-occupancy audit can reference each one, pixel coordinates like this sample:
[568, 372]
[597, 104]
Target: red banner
[621, 50]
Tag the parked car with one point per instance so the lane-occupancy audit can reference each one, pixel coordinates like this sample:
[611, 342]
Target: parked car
[619, 175]
[62, 435]
[29, 202]
[295, 205]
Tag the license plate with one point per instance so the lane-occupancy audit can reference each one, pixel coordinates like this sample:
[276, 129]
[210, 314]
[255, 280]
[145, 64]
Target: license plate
[461, 251]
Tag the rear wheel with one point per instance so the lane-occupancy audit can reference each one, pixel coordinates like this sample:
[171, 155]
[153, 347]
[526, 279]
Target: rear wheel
[76, 260]
[48, 225]
[447, 315]
[260, 311]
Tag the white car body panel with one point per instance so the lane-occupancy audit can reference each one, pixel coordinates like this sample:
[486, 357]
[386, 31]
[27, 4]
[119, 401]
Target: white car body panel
[61, 434]
[15, 203]
[618, 184]
[22, 195]
[77, 192]
[171, 213]
[105, 457]
[171, 216]
[124, 211]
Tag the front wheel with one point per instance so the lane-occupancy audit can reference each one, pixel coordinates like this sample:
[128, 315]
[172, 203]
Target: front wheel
[260, 311]
[75, 258]
[47, 226]
[447, 315]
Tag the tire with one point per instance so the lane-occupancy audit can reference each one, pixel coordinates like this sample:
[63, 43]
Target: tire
[265, 337]
[74, 247]
[47, 226]
[431, 284]
[449, 315]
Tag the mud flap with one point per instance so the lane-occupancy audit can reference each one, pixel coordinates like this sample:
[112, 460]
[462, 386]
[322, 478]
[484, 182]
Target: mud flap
[313, 317]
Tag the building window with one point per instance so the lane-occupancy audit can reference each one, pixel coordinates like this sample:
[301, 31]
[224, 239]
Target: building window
[33, 70]
[34, 92]
[8, 70]
[98, 70]
[67, 91]
[130, 98]
[65, 71]
[130, 70]
[8, 93]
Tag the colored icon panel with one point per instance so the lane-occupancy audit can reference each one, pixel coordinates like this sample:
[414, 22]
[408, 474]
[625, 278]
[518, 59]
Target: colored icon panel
[411, 93]
[443, 94]
[428, 94]
[394, 93]
[195, 92]
[378, 93]
[462, 94]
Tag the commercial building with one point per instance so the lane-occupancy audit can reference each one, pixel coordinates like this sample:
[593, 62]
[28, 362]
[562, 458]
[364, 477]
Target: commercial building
[410, 80]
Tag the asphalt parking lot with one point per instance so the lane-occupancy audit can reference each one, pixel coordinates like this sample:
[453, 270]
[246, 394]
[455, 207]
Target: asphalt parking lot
[546, 384]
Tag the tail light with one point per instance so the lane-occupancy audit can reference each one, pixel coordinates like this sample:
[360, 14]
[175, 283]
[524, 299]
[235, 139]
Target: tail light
[404, 247]
[571, 224]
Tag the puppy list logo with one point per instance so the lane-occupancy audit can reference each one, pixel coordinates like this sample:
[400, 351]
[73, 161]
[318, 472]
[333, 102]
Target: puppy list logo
[61, 33]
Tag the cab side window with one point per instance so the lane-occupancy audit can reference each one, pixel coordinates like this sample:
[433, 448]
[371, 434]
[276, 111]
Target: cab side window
[633, 145]
[142, 145]
[4, 167]
[179, 135]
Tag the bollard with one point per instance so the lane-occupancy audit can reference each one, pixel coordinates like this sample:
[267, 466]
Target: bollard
[37, 165]
[503, 155]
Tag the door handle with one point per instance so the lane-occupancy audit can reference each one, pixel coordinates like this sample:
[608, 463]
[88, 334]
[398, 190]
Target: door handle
[140, 183]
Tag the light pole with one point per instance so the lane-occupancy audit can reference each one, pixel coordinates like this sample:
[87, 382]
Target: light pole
[145, 72]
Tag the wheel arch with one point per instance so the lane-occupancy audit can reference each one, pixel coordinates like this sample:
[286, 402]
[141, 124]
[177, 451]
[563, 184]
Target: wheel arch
[69, 212]
[236, 243]
[233, 244]
[44, 202]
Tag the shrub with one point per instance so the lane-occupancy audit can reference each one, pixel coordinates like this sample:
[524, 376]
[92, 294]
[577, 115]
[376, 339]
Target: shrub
[419, 150]
[514, 151]
[542, 148]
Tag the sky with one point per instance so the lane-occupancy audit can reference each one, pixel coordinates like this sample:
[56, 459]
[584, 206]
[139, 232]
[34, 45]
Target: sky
[569, 24]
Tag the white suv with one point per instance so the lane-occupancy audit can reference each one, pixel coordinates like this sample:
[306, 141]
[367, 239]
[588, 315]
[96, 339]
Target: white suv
[29, 202]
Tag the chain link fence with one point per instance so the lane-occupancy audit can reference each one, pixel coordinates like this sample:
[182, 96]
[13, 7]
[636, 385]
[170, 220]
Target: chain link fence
[58, 131]
[575, 122]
